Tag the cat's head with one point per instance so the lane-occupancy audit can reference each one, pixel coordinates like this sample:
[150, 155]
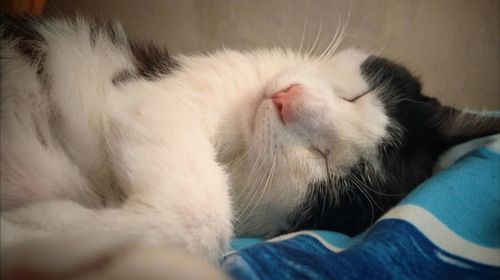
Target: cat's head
[334, 143]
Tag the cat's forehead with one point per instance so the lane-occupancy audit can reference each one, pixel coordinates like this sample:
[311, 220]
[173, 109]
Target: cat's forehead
[344, 71]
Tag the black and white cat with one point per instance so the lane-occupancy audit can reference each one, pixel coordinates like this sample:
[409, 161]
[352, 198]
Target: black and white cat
[103, 135]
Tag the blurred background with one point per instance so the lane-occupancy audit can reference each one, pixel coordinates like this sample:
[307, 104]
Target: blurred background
[452, 45]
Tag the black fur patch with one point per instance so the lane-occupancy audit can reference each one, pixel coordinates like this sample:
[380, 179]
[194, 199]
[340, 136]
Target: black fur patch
[27, 41]
[151, 61]
[123, 76]
[22, 31]
[365, 194]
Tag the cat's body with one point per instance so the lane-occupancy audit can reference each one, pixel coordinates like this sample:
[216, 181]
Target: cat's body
[101, 135]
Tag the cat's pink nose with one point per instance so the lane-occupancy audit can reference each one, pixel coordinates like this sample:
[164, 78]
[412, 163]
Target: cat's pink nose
[285, 100]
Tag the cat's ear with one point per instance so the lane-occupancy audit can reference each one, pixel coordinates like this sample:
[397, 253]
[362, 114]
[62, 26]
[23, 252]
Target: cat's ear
[457, 126]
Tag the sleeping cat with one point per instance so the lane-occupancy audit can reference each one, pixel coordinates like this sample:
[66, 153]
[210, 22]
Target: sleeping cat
[102, 135]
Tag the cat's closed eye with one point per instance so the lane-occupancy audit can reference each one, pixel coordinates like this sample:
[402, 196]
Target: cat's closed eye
[357, 97]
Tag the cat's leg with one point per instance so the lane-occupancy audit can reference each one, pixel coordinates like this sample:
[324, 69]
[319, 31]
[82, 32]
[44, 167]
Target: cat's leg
[165, 163]
[177, 193]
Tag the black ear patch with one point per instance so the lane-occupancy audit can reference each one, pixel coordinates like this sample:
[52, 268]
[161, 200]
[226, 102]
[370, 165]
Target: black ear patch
[365, 193]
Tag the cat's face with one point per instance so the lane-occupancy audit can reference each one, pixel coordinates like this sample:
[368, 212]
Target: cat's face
[332, 144]
[311, 114]
[306, 125]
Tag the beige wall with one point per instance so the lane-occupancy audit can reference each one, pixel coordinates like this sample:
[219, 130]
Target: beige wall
[453, 45]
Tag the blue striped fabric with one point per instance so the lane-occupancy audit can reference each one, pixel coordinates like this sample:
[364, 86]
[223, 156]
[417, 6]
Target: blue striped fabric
[448, 228]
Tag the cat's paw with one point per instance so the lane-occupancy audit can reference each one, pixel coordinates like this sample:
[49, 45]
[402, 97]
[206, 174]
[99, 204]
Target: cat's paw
[210, 240]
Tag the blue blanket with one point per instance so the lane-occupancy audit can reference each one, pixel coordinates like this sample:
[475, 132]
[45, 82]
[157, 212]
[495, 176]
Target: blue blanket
[449, 227]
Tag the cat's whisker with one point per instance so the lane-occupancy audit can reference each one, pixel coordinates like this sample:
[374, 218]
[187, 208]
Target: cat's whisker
[250, 174]
[382, 193]
[370, 200]
[281, 45]
[325, 187]
[303, 36]
[308, 44]
[370, 180]
[252, 190]
[412, 101]
[338, 41]
[323, 56]
[249, 196]
[379, 52]
[341, 37]
[328, 184]
[311, 50]
[268, 180]
[357, 181]
[253, 181]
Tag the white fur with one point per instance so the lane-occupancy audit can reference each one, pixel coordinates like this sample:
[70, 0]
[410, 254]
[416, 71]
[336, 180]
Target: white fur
[177, 147]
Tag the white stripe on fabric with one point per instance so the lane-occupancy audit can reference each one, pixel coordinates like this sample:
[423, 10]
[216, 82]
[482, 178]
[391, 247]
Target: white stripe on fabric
[442, 236]
[325, 243]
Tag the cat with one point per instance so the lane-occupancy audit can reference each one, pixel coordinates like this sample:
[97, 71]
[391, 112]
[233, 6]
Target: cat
[104, 135]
